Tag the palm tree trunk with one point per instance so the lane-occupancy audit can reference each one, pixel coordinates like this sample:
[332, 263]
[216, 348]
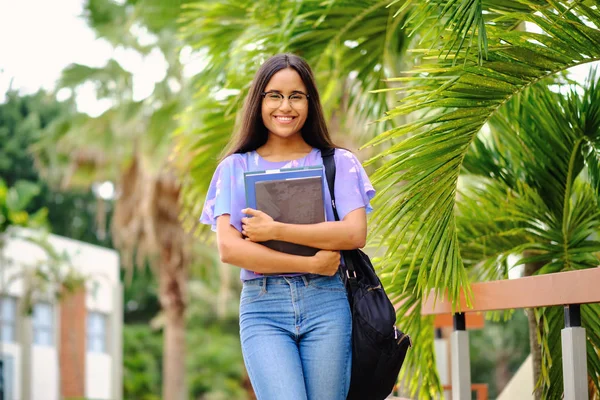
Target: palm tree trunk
[536, 351]
[174, 357]
[172, 299]
[502, 371]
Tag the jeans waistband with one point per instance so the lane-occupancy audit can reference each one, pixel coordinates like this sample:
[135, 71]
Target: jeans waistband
[284, 280]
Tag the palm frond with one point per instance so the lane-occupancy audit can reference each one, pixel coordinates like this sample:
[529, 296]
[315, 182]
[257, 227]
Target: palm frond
[455, 102]
[111, 81]
[589, 113]
[459, 26]
[113, 22]
[420, 359]
[487, 231]
[197, 152]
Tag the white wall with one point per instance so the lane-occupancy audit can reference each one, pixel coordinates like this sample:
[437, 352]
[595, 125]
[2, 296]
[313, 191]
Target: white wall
[98, 376]
[45, 383]
[14, 352]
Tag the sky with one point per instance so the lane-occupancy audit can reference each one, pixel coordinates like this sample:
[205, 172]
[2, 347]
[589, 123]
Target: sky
[36, 46]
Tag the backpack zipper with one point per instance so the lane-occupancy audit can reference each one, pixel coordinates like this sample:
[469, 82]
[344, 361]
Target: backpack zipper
[402, 337]
[374, 288]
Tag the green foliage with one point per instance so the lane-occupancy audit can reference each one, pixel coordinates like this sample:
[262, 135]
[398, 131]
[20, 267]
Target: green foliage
[142, 360]
[537, 193]
[498, 350]
[70, 213]
[215, 366]
[22, 119]
[13, 206]
[140, 296]
[111, 80]
[78, 150]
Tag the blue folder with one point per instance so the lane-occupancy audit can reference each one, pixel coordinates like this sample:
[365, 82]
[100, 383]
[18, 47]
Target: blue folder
[291, 195]
[251, 178]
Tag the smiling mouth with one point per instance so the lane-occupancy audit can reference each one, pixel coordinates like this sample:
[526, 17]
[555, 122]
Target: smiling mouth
[284, 120]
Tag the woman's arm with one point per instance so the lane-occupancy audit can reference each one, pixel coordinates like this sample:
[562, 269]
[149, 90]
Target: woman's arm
[348, 234]
[234, 250]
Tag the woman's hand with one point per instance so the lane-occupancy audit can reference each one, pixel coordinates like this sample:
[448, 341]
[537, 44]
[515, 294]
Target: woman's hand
[260, 228]
[325, 262]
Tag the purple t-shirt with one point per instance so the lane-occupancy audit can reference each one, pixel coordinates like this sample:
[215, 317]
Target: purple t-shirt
[226, 194]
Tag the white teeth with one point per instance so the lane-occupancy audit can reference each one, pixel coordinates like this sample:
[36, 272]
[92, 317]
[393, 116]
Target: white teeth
[284, 118]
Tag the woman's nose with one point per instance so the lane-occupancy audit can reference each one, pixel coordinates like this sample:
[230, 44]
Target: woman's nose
[285, 104]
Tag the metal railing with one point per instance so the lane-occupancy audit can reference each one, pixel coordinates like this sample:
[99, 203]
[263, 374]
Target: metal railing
[568, 289]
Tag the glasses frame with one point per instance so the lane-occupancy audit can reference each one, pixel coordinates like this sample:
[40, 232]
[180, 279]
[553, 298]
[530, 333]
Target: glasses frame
[263, 94]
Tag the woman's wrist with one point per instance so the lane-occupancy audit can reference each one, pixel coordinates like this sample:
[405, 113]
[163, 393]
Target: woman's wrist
[279, 230]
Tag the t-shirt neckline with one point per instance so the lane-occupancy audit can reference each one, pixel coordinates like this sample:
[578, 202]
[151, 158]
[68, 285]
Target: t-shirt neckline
[284, 161]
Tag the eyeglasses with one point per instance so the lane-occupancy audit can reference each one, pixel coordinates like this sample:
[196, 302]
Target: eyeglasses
[297, 100]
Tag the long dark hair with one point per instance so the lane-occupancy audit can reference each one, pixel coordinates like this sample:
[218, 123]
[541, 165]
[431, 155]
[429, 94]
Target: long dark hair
[252, 132]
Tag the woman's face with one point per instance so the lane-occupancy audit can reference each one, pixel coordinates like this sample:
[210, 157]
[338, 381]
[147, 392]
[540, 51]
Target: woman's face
[285, 120]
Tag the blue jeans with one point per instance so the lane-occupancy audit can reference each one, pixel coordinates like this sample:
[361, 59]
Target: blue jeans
[296, 337]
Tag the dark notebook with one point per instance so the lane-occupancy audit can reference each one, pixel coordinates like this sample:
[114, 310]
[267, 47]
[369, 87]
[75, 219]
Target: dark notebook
[292, 201]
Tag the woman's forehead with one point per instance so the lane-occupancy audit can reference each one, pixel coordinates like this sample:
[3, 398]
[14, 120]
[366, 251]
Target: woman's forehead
[286, 80]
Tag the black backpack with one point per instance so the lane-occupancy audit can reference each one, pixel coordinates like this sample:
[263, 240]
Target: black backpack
[378, 347]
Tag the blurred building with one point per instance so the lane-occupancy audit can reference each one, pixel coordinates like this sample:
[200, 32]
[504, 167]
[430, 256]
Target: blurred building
[69, 348]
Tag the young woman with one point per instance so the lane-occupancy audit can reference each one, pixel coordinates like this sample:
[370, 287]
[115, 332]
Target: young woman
[295, 323]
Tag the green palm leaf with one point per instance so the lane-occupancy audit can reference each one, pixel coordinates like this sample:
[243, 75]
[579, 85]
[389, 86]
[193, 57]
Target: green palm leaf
[421, 359]
[461, 25]
[440, 140]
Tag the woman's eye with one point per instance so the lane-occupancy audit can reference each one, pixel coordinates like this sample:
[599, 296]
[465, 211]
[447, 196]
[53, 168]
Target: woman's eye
[274, 96]
[296, 97]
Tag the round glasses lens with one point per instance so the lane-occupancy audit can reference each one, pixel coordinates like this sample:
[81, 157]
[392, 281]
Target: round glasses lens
[273, 99]
[298, 100]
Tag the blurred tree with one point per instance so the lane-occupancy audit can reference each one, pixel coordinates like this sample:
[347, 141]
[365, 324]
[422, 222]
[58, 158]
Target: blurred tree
[142, 359]
[498, 350]
[72, 213]
[140, 295]
[215, 365]
[13, 207]
[128, 145]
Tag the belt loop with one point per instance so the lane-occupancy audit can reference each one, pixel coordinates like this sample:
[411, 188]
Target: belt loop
[305, 279]
[264, 284]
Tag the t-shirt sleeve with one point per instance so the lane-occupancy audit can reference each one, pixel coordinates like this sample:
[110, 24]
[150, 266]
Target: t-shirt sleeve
[353, 189]
[225, 194]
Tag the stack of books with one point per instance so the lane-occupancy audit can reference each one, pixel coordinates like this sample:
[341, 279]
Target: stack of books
[291, 196]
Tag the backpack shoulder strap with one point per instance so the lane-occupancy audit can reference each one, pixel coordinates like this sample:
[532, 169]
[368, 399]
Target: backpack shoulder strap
[329, 164]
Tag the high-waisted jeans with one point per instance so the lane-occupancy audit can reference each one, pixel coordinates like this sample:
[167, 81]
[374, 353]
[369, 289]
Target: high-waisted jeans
[296, 337]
